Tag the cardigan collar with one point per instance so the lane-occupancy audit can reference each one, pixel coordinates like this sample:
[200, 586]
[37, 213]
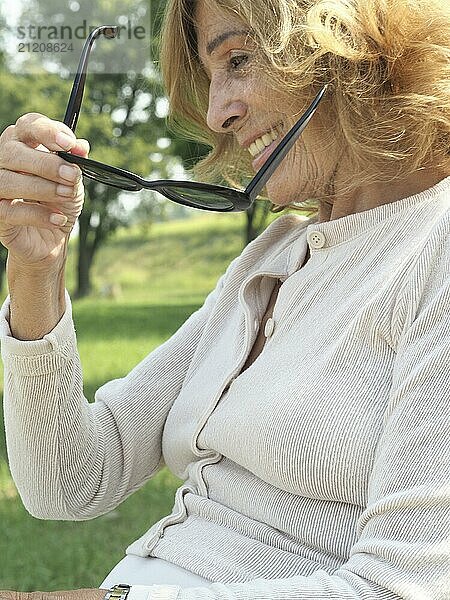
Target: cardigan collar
[351, 226]
[322, 236]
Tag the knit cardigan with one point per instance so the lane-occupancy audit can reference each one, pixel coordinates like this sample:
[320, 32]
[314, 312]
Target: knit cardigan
[320, 472]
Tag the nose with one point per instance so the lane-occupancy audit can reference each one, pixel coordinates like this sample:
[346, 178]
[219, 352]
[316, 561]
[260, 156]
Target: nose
[225, 110]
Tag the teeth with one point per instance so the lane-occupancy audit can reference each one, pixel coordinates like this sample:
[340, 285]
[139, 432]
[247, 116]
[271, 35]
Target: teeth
[253, 149]
[260, 144]
[265, 140]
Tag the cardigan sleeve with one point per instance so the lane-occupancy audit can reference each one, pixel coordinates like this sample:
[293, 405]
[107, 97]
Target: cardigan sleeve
[402, 549]
[71, 459]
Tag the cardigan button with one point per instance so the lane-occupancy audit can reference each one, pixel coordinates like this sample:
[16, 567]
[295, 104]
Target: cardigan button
[316, 239]
[269, 327]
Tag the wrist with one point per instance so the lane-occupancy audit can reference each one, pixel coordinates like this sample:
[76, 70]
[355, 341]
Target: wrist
[47, 269]
[118, 592]
[37, 298]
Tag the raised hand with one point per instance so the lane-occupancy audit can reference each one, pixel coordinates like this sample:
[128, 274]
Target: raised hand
[41, 195]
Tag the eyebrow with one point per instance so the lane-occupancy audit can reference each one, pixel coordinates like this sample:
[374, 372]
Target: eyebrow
[220, 39]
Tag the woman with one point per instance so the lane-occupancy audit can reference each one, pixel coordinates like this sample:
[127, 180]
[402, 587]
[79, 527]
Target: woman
[305, 405]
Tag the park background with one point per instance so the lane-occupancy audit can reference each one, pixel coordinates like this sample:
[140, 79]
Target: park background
[137, 268]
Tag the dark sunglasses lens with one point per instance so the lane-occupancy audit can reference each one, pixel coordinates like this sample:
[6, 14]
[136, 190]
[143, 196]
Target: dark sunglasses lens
[198, 198]
[108, 178]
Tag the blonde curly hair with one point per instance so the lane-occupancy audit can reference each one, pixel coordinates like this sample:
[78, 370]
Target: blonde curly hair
[388, 63]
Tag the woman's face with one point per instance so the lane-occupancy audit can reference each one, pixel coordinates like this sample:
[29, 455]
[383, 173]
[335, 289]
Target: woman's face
[242, 103]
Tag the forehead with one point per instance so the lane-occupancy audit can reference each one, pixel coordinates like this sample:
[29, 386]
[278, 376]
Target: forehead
[214, 26]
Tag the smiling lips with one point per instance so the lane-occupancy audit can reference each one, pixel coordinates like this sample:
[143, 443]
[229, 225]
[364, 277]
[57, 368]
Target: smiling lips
[262, 142]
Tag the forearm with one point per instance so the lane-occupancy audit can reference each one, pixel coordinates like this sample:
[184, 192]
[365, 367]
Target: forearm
[37, 298]
[47, 419]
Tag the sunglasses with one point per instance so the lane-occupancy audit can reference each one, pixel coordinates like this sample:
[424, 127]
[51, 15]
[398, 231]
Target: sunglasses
[188, 193]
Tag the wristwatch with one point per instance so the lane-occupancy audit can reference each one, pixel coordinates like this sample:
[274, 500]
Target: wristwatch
[118, 592]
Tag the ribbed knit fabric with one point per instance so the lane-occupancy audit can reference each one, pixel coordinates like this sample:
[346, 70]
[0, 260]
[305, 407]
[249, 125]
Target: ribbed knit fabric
[320, 472]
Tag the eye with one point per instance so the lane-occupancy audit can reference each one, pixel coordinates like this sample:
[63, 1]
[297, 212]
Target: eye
[237, 61]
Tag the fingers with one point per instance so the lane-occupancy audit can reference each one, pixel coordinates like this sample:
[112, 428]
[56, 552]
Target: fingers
[30, 169]
[31, 187]
[28, 214]
[16, 156]
[82, 594]
[48, 212]
[19, 142]
[11, 595]
[34, 129]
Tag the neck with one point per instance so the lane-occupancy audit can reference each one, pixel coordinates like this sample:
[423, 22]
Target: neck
[373, 195]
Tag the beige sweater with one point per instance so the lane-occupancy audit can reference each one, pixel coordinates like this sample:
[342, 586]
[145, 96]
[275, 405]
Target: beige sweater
[323, 470]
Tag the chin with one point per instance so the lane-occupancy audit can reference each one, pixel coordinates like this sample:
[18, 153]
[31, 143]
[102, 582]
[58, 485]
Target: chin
[284, 189]
[281, 194]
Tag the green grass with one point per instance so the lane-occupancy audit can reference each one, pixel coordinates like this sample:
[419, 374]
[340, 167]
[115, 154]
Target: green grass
[176, 262]
[162, 277]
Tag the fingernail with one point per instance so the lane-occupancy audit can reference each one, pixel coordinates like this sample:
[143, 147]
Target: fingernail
[58, 219]
[65, 190]
[69, 173]
[64, 140]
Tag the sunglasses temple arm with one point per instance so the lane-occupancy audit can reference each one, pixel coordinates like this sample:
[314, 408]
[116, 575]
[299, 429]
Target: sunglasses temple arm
[76, 95]
[74, 104]
[258, 182]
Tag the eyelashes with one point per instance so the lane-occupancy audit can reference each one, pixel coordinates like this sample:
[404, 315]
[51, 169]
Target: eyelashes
[238, 61]
[233, 64]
